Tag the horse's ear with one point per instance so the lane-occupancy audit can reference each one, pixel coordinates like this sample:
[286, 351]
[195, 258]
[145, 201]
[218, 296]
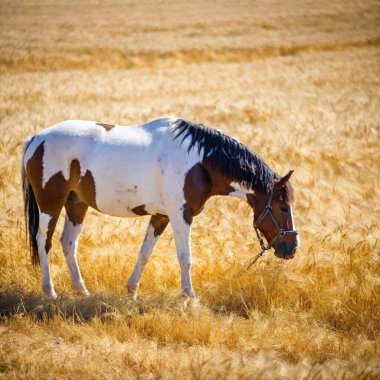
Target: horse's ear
[281, 183]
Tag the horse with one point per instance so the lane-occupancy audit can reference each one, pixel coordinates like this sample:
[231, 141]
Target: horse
[167, 168]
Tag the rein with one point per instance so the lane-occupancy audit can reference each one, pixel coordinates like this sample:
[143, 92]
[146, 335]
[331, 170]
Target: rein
[280, 231]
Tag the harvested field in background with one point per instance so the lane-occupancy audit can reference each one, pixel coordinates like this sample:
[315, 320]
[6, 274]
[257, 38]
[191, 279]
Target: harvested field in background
[296, 81]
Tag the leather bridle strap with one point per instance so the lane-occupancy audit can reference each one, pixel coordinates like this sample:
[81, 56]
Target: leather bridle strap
[280, 231]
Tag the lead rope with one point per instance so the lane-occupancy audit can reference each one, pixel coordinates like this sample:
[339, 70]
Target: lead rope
[246, 269]
[259, 236]
[263, 249]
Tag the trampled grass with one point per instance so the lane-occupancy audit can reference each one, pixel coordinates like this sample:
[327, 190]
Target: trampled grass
[299, 84]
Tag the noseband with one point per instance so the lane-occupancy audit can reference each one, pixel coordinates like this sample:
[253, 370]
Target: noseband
[280, 231]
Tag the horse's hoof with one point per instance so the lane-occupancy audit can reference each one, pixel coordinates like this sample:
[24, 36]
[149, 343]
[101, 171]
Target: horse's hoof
[132, 296]
[82, 292]
[132, 293]
[52, 296]
[49, 291]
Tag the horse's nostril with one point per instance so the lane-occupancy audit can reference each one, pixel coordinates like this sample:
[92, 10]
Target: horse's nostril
[286, 250]
[281, 250]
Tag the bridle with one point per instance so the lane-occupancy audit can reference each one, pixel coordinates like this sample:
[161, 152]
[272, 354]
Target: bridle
[281, 233]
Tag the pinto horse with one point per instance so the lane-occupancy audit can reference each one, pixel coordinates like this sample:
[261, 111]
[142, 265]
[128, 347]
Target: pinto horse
[167, 168]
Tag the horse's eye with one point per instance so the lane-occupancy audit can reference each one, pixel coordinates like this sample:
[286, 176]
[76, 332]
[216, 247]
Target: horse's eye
[284, 209]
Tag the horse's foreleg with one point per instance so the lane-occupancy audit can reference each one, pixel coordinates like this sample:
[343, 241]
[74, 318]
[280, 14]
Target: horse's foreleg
[75, 214]
[155, 228]
[181, 230]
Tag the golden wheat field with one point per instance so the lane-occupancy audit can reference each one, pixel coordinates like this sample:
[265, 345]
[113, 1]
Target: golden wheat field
[296, 81]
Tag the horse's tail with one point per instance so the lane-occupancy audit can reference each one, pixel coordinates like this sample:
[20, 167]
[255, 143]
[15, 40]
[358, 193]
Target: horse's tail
[31, 211]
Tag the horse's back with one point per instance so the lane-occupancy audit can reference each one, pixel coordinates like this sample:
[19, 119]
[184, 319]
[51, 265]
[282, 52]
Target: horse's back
[101, 132]
[127, 164]
[86, 140]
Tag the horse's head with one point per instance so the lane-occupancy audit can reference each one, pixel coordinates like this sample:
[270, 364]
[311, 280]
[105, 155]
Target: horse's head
[273, 217]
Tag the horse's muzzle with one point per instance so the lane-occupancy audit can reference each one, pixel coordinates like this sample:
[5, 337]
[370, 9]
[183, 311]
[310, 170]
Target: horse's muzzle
[286, 250]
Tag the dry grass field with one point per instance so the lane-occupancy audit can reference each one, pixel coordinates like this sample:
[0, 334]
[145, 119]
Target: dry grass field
[296, 81]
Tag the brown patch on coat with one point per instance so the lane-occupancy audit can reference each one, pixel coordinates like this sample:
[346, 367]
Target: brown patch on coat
[49, 234]
[55, 194]
[75, 209]
[84, 186]
[201, 182]
[107, 127]
[52, 196]
[87, 190]
[159, 223]
[140, 210]
[74, 171]
[187, 213]
[221, 185]
[197, 189]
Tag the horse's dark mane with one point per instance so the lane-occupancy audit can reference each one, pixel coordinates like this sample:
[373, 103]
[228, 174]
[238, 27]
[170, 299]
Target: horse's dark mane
[229, 156]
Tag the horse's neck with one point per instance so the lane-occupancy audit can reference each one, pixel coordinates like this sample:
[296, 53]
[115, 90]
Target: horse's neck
[239, 191]
[222, 185]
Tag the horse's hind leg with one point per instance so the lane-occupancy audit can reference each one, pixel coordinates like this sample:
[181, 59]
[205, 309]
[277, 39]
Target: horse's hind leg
[75, 214]
[155, 228]
[50, 195]
[46, 228]
[49, 209]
